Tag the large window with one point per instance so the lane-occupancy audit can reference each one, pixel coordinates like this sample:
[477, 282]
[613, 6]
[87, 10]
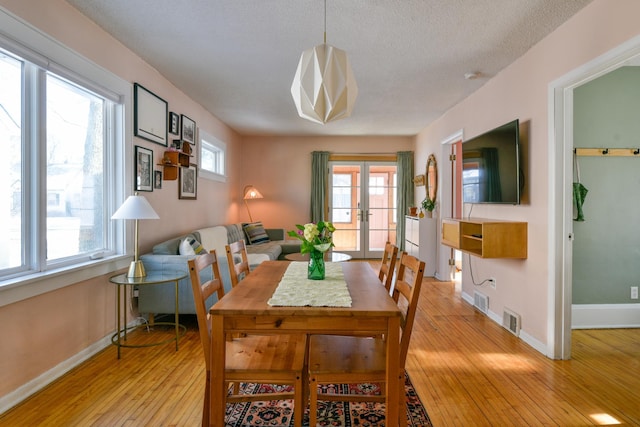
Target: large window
[58, 136]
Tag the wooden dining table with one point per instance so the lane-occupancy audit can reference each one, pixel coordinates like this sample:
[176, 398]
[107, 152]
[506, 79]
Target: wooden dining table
[245, 309]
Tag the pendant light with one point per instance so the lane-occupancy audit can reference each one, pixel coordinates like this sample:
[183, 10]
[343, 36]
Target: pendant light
[324, 88]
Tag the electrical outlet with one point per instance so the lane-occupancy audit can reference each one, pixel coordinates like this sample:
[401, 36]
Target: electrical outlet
[634, 292]
[492, 282]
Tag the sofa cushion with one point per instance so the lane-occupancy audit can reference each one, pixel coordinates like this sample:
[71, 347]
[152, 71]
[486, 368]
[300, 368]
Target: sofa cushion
[172, 246]
[255, 233]
[190, 246]
[234, 233]
[271, 249]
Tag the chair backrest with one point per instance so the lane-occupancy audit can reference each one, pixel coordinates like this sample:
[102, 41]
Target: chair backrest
[202, 291]
[406, 292]
[387, 265]
[238, 261]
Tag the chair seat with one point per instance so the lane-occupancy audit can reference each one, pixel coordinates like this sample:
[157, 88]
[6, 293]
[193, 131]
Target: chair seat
[347, 354]
[269, 354]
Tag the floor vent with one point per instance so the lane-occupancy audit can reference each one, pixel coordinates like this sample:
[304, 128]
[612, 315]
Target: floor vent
[481, 302]
[511, 321]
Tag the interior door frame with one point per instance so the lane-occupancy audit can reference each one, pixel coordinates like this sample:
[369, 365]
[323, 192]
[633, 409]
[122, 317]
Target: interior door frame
[449, 201]
[560, 202]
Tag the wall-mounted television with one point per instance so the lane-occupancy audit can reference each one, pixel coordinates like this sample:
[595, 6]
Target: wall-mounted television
[491, 166]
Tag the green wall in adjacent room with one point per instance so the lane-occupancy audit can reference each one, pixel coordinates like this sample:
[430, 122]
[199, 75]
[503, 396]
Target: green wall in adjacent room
[606, 247]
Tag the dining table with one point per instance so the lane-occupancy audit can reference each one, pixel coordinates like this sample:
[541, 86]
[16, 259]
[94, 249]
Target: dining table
[253, 307]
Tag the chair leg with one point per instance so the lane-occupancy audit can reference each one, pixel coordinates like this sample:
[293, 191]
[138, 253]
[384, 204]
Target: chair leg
[207, 399]
[298, 400]
[313, 402]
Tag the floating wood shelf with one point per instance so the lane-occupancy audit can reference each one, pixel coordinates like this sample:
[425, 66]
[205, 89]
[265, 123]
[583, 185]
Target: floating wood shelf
[171, 161]
[486, 238]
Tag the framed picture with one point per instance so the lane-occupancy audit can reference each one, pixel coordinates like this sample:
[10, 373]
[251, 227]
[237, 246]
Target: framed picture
[174, 123]
[157, 179]
[149, 115]
[188, 130]
[188, 183]
[143, 169]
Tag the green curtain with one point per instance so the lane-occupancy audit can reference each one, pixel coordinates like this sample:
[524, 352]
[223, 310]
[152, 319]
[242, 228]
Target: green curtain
[319, 178]
[405, 193]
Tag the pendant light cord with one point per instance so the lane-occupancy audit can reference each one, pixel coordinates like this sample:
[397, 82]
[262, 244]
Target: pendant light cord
[325, 21]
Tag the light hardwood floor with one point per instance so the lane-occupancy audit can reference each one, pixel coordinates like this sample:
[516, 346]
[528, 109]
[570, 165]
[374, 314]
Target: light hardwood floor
[467, 370]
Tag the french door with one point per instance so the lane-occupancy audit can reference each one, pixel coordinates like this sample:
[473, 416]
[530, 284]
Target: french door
[362, 206]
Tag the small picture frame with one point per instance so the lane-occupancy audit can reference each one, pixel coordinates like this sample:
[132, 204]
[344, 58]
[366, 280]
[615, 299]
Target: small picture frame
[143, 173]
[174, 123]
[157, 179]
[188, 183]
[188, 132]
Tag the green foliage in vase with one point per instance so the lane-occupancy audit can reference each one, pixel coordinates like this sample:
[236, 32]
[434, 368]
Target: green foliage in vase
[314, 236]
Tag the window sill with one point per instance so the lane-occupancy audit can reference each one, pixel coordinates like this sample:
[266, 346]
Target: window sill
[23, 287]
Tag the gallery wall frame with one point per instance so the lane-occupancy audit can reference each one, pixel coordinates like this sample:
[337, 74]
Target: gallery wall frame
[157, 179]
[174, 123]
[188, 182]
[143, 172]
[150, 115]
[188, 129]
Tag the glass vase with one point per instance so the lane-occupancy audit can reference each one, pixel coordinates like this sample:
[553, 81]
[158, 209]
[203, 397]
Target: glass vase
[316, 268]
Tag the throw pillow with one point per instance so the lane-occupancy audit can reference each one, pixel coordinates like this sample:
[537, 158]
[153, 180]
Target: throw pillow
[255, 233]
[190, 246]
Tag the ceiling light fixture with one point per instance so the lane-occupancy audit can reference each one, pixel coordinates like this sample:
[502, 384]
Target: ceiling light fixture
[324, 88]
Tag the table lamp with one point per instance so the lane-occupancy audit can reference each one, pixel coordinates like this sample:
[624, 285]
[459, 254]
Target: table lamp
[250, 192]
[136, 207]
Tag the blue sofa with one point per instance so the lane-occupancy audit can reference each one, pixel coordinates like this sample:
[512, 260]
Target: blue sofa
[160, 299]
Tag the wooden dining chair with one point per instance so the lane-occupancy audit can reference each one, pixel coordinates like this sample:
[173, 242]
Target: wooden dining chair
[266, 359]
[238, 261]
[387, 265]
[348, 359]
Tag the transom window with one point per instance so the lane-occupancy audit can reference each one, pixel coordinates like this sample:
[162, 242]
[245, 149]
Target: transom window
[212, 157]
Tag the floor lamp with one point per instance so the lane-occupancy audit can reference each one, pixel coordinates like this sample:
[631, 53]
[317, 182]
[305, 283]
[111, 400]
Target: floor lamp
[250, 192]
[136, 207]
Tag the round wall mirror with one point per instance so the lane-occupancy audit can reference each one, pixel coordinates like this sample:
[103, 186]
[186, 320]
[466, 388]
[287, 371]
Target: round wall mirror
[431, 176]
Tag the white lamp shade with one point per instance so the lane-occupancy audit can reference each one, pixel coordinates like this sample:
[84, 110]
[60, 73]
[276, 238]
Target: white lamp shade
[135, 207]
[324, 88]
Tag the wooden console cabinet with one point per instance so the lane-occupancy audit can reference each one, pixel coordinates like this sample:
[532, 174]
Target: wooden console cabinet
[486, 238]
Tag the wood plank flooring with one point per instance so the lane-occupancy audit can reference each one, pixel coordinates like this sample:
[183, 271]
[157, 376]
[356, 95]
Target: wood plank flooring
[467, 370]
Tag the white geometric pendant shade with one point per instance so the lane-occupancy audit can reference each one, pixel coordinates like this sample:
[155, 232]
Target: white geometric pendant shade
[324, 88]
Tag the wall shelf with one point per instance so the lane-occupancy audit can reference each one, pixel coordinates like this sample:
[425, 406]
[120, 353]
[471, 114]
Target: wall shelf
[171, 161]
[486, 238]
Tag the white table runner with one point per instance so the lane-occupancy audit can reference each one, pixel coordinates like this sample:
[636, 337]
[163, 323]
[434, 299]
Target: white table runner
[297, 291]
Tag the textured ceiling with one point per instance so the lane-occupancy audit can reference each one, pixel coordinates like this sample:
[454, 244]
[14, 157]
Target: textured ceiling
[237, 58]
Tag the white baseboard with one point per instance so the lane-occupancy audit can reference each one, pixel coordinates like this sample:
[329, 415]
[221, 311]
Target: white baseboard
[524, 336]
[602, 316]
[21, 393]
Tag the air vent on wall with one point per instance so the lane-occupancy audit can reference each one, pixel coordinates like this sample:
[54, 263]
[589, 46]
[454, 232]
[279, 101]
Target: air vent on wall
[511, 321]
[481, 302]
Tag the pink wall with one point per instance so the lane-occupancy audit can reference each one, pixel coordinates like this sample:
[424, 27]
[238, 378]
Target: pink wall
[280, 167]
[44, 331]
[521, 91]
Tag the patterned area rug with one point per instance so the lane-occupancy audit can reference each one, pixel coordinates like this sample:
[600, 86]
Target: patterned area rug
[334, 414]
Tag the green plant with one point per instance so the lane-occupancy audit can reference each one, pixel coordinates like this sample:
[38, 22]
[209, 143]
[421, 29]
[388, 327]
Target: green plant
[428, 204]
[314, 236]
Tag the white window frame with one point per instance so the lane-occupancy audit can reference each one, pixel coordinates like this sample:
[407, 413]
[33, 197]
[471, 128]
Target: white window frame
[211, 143]
[29, 43]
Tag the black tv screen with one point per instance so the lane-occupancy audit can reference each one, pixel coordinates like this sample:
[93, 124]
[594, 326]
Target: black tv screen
[491, 166]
